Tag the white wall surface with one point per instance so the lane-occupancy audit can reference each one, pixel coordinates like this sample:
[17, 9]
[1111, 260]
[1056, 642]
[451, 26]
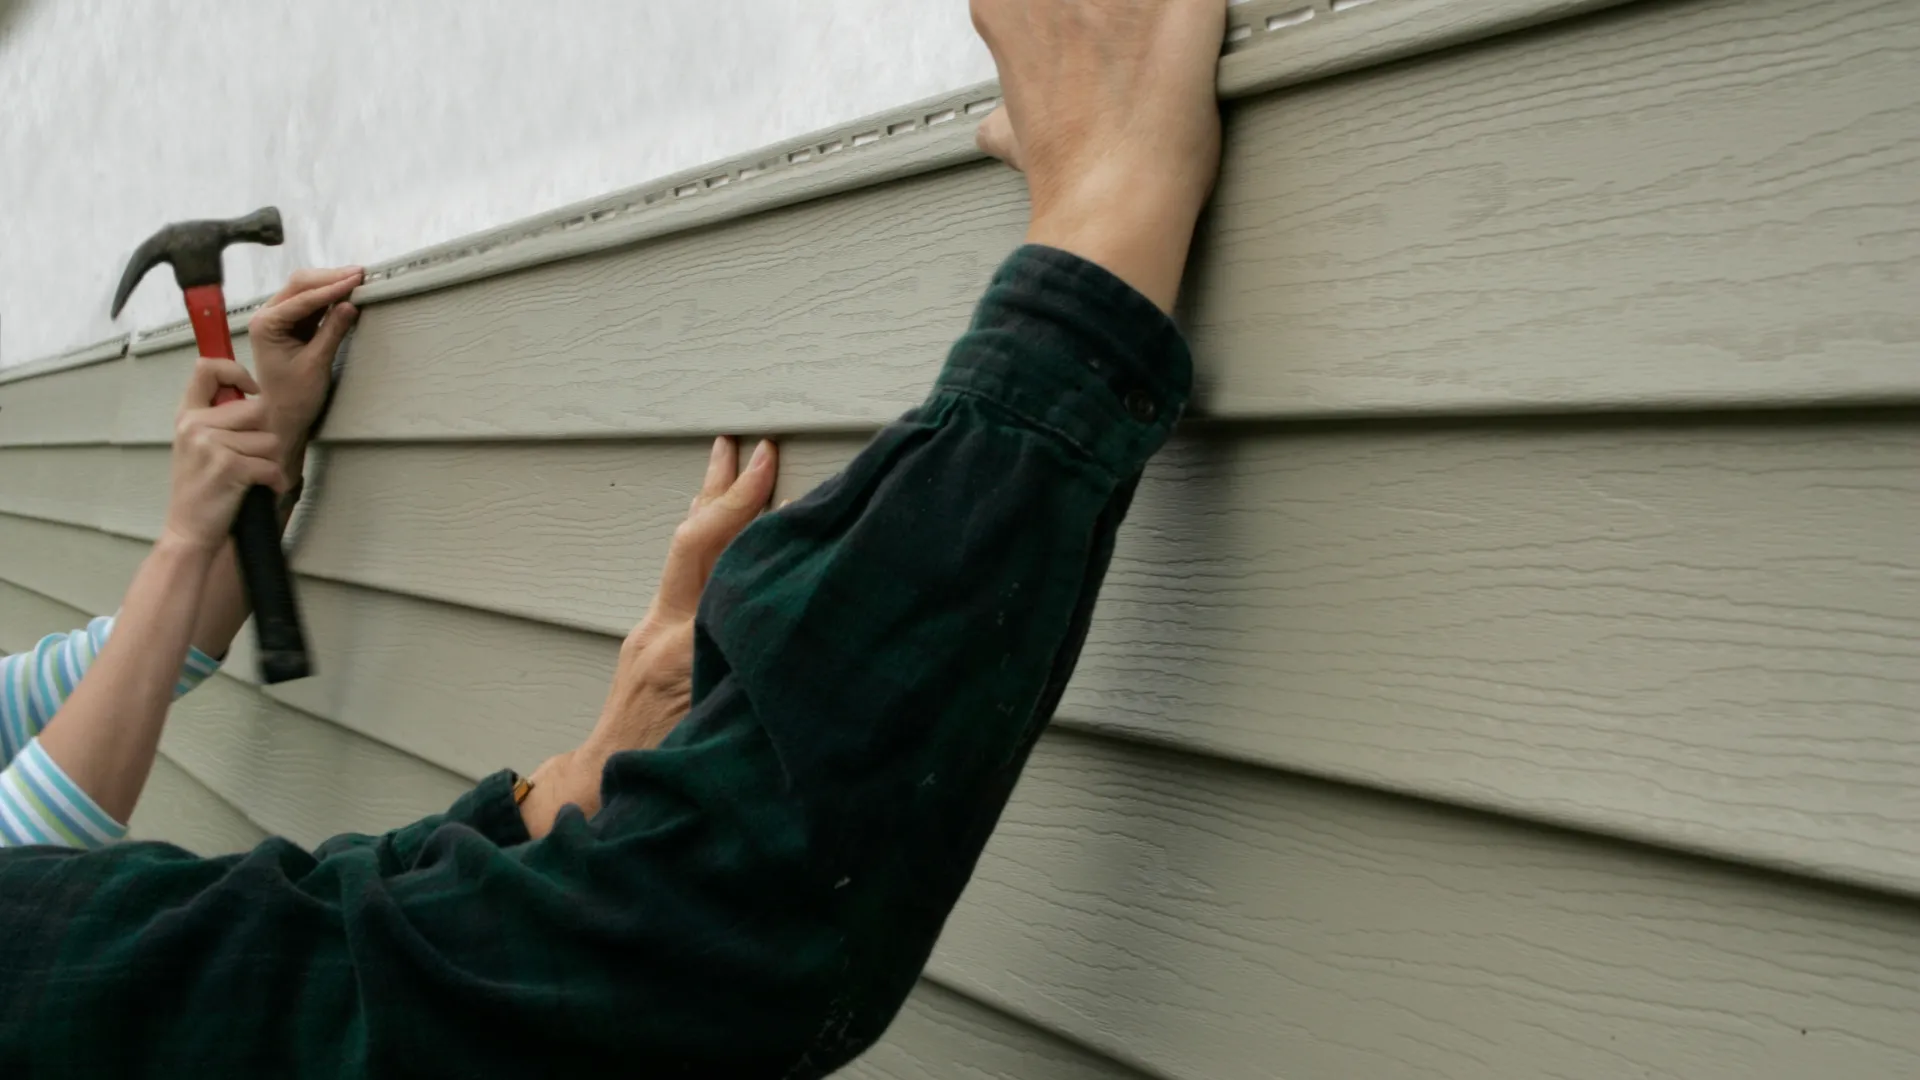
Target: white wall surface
[381, 128]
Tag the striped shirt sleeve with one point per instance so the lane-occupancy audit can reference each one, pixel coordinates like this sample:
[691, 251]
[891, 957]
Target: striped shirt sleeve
[38, 803]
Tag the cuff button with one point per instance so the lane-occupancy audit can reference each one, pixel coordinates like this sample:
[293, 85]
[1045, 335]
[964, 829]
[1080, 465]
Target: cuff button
[1141, 406]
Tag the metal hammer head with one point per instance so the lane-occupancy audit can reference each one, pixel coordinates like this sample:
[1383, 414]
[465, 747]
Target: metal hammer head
[194, 247]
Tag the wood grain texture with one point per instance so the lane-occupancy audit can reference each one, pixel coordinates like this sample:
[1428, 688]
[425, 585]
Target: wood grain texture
[1701, 634]
[292, 773]
[1214, 923]
[65, 483]
[1697, 204]
[83, 568]
[295, 774]
[471, 691]
[942, 1035]
[180, 810]
[67, 406]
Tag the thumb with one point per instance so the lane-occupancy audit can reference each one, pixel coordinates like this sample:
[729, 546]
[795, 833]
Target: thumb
[996, 138]
[333, 330]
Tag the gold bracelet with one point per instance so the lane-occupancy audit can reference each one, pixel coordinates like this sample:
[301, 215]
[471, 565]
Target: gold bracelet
[521, 785]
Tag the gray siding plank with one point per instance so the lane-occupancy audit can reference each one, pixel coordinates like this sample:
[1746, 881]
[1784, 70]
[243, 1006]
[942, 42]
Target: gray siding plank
[1698, 204]
[1697, 633]
[61, 483]
[182, 811]
[1700, 634]
[62, 407]
[941, 1035]
[1216, 922]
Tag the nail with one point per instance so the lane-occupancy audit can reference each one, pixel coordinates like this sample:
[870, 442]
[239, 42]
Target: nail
[760, 454]
[719, 448]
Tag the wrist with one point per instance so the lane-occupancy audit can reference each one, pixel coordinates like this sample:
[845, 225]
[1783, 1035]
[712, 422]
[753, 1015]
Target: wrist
[182, 546]
[1141, 234]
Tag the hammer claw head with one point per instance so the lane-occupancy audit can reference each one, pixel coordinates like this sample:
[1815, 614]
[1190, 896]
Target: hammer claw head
[194, 248]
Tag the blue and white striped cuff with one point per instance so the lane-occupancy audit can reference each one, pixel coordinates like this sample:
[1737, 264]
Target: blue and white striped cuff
[40, 805]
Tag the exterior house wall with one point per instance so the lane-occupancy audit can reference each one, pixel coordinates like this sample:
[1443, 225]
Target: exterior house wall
[1509, 672]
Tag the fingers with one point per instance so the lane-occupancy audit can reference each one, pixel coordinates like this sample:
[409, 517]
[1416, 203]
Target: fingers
[286, 313]
[250, 414]
[308, 278]
[751, 490]
[210, 374]
[996, 138]
[723, 468]
[719, 514]
[333, 329]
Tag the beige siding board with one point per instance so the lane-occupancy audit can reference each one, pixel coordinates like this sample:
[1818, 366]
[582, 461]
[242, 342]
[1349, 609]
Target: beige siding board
[295, 774]
[1215, 922]
[76, 405]
[1585, 216]
[72, 484]
[1699, 633]
[832, 313]
[941, 1035]
[469, 690]
[80, 567]
[573, 533]
[182, 811]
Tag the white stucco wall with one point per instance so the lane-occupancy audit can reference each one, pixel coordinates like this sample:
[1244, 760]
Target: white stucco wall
[380, 128]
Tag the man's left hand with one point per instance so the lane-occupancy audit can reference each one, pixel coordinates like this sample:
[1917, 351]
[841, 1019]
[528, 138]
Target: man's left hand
[294, 337]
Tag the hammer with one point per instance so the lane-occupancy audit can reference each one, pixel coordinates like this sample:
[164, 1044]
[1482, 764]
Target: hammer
[194, 248]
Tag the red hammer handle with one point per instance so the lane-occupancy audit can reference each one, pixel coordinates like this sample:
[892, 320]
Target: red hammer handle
[256, 529]
[207, 311]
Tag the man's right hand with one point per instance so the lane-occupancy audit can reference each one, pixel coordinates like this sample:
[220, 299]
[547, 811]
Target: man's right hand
[1110, 110]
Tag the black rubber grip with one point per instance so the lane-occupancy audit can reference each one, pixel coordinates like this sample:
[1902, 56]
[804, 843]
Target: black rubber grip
[263, 567]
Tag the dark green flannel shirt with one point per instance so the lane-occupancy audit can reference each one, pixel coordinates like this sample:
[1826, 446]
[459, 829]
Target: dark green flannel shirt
[758, 895]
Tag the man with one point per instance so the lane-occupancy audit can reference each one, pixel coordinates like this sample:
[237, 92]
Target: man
[755, 896]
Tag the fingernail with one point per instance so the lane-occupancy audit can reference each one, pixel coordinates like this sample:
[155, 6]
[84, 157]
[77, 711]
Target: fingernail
[719, 448]
[761, 453]
[348, 311]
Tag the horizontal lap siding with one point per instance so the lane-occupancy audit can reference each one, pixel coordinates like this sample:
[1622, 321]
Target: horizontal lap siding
[1682, 204]
[1218, 923]
[1704, 633]
[941, 1035]
[180, 810]
[1699, 632]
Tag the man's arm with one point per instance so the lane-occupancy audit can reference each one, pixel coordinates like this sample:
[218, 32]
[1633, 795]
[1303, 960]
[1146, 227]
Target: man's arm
[756, 896]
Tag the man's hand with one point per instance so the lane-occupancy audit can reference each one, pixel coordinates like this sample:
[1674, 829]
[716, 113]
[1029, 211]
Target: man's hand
[294, 337]
[653, 684]
[1110, 111]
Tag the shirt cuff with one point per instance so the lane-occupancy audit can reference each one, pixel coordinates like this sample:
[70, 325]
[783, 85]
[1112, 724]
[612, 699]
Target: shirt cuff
[196, 670]
[1071, 348]
[489, 810]
[40, 805]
